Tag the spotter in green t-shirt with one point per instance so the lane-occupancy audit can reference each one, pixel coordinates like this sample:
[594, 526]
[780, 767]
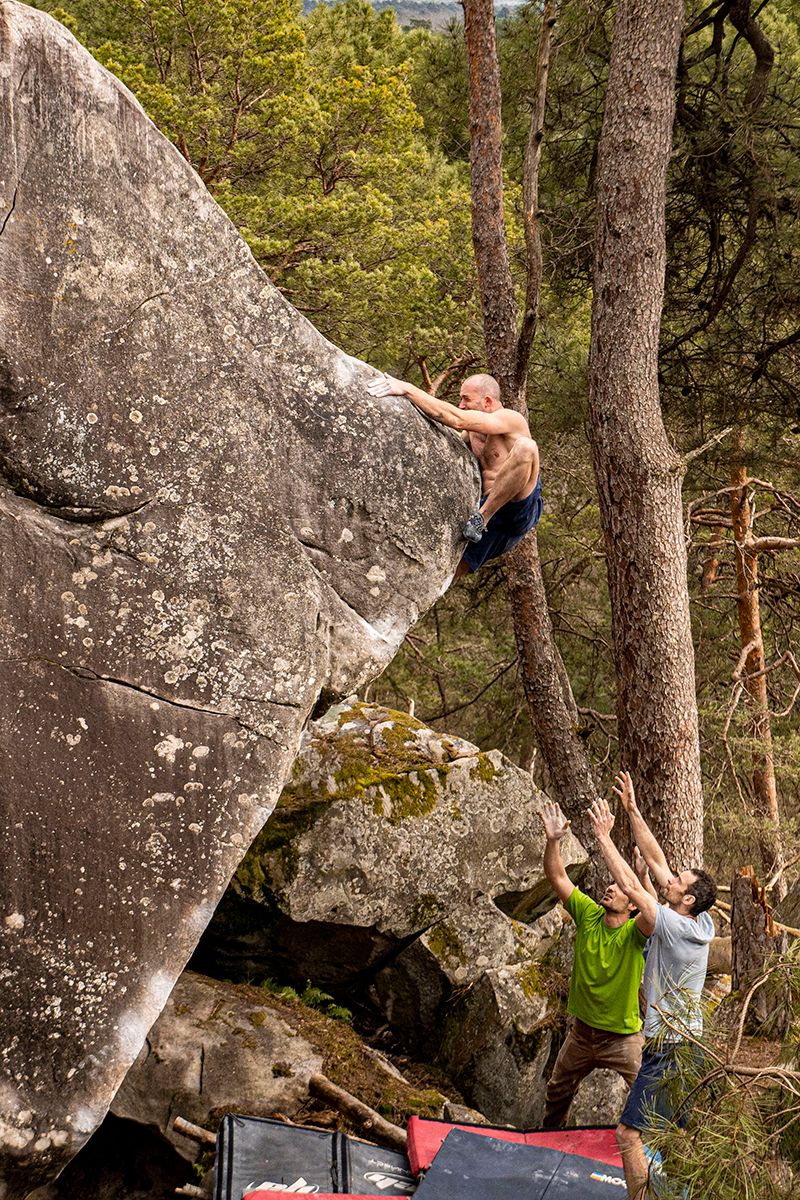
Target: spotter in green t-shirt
[607, 971]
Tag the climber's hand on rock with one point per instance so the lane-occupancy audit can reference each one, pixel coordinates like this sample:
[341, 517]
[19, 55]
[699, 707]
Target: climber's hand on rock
[386, 385]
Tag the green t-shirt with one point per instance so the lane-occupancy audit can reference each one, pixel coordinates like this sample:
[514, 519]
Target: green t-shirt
[607, 971]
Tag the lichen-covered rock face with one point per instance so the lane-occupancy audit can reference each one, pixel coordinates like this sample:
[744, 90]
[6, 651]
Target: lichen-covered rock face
[386, 829]
[385, 864]
[204, 521]
[211, 1051]
[415, 989]
[599, 1100]
[496, 1041]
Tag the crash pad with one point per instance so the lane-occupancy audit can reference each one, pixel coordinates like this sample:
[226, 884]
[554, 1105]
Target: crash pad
[256, 1154]
[472, 1166]
[425, 1137]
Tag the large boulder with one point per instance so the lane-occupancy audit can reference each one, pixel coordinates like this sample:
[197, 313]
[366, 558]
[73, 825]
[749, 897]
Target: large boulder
[220, 1047]
[389, 864]
[386, 829]
[216, 1049]
[415, 989]
[496, 1041]
[205, 522]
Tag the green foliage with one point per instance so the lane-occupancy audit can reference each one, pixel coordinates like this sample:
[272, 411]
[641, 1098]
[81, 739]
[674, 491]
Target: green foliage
[282, 991]
[306, 133]
[312, 997]
[315, 998]
[736, 1145]
[743, 1131]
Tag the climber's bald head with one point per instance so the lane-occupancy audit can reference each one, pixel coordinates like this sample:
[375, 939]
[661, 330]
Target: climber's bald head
[480, 392]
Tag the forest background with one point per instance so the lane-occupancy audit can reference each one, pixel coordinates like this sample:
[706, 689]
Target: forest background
[338, 143]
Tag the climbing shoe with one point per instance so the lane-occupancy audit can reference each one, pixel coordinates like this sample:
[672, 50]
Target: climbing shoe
[474, 528]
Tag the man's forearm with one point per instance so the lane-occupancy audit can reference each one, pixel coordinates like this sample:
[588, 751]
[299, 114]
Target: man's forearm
[622, 874]
[440, 410]
[631, 884]
[647, 884]
[651, 851]
[553, 862]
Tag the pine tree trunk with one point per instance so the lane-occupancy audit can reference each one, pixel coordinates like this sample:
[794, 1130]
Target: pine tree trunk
[638, 472]
[496, 288]
[550, 703]
[752, 943]
[752, 670]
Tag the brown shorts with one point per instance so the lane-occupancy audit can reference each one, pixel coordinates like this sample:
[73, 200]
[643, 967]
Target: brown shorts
[587, 1049]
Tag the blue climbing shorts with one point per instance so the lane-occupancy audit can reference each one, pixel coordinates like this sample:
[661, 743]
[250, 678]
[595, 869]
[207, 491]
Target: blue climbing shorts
[505, 529]
[656, 1095]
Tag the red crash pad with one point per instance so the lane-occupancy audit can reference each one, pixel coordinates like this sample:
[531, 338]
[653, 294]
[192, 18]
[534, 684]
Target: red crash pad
[425, 1138]
[260, 1194]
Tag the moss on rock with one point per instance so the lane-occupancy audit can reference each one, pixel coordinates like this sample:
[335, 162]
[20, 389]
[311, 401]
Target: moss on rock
[445, 944]
[530, 981]
[484, 769]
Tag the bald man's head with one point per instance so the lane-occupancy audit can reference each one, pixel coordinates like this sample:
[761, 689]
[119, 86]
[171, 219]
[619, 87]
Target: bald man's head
[480, 392]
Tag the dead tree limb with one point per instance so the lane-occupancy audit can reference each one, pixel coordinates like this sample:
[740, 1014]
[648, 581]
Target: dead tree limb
[367, 1120]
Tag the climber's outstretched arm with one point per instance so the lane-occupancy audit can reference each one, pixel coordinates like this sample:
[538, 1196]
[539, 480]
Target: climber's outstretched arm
[555, 827]
[503, 421]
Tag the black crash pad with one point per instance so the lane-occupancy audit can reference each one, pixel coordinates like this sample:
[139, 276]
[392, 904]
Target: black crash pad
[255, 1153]
[471, 1167]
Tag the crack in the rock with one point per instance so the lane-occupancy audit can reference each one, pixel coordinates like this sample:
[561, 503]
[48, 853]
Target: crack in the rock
[328, 584]
[314, 546]
[179, 287]
[72, 514]
[94, 676]
[10, 211]
[137, 558]
[107, 333]
[268, 700]
[27, 68]
[86, 515]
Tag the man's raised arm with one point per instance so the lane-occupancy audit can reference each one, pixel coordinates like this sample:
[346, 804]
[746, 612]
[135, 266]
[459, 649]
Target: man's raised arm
[642, 834]
[602, 820]
[555, 826]
[503, 420]
[643, 872]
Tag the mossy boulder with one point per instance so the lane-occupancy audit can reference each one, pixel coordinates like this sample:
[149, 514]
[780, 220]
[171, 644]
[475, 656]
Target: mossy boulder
[217, 1047]
[385, 830]
[498, 1043]
[415, 990]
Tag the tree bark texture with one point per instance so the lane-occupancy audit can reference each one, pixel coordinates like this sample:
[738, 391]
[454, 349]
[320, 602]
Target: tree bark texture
[638, 472]
[550, 703]
[752, 671]
[530, 193]
[752, 940]
[495, 285]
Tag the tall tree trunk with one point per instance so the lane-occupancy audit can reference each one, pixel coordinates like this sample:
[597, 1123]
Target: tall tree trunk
[550, 702]
[495, 285]
[638, 472]
[755, 943]
[551, 705]
[752, 671]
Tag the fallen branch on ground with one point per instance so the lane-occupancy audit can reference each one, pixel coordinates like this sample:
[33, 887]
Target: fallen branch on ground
[361, 1114]
[196, 1132]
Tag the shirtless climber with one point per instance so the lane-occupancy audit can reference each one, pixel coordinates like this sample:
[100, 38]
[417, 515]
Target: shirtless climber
[507, 455]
